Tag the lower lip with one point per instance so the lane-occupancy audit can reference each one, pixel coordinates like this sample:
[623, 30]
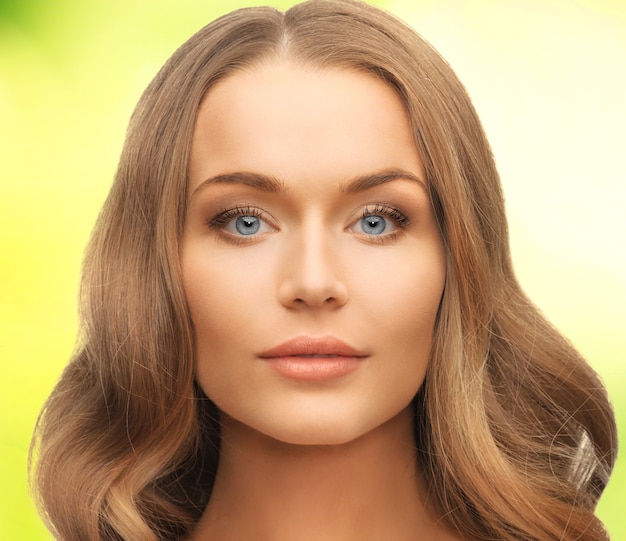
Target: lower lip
[314, 368]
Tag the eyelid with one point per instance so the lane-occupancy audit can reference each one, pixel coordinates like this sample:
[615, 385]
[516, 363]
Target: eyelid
[375, 209]
[224, 217]
[400, 222]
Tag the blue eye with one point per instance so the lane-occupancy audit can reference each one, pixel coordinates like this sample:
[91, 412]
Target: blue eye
[247, 225]
[373, 225]
[240, 222]
[380, 222]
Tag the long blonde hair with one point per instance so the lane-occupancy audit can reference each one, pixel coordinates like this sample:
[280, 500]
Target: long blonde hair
[514, 432]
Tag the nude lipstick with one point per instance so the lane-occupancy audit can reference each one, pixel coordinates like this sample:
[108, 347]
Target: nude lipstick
[313, 359]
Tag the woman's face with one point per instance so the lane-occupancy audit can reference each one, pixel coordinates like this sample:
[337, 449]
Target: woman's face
[312, 262]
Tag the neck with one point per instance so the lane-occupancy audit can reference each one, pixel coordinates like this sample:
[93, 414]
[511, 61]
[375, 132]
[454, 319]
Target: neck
[366, 489]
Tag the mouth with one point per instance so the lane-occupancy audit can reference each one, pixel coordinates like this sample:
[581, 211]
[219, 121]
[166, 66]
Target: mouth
[313, 359]
[330, 356]
[314, 348]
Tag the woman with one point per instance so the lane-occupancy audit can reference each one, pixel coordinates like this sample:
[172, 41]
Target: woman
[300, 318]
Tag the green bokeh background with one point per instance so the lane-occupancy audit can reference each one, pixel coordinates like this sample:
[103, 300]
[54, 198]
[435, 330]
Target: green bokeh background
[548, 78]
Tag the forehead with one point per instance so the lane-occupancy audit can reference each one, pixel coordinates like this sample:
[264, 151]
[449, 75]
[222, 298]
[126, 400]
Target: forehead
[284, 118]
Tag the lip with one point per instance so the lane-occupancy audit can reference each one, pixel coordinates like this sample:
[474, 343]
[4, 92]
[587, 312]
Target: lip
[313, 359]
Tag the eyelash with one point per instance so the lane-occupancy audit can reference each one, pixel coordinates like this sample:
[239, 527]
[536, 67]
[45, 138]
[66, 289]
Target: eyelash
[381, 209]
[377, 209]
[219, 221]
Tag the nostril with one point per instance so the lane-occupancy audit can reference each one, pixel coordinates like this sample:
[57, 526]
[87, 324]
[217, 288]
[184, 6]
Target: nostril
[309, 285]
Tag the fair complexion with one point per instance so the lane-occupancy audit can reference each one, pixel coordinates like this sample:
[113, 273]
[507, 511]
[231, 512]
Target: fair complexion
[313, 268]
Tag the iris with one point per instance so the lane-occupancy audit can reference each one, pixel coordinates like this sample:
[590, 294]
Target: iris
[247, 225]
[373, 225]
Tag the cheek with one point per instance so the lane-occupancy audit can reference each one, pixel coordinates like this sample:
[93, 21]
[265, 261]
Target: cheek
[400, 302]
[402, 297]
[228, 299]
[222, 297]
[209, 304]
[212, 298]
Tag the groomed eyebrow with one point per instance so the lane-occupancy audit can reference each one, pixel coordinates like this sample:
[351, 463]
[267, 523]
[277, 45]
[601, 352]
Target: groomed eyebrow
[258, 181]
[365, 182]
[270, 184]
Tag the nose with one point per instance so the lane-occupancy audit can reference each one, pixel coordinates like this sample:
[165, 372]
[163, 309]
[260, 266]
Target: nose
[311, 274]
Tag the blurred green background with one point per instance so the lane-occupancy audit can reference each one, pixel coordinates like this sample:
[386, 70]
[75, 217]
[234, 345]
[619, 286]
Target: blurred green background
[548, 78]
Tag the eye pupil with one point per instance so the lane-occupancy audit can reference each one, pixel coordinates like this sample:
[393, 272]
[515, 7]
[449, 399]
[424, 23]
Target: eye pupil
[373, 225]
[247, 225]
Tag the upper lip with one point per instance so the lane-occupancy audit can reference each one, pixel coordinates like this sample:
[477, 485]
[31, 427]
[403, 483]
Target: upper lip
[305, 345]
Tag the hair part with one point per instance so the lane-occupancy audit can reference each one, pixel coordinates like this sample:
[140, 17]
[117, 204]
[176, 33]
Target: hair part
[514, 432]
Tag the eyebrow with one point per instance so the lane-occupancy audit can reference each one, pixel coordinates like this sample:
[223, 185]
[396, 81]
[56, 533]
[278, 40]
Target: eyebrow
[365, 182]
[270, 184]
[258, 181]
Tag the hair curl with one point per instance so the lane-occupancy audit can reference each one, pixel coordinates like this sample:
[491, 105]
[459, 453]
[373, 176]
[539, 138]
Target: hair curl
[513, 428]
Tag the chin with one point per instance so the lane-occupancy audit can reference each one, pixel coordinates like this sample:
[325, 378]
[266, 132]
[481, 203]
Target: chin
[318, 436]
[319, 422]
[327, 430]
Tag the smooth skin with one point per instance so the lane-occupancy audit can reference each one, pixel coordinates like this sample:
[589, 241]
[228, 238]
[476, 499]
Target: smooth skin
[309, 216]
